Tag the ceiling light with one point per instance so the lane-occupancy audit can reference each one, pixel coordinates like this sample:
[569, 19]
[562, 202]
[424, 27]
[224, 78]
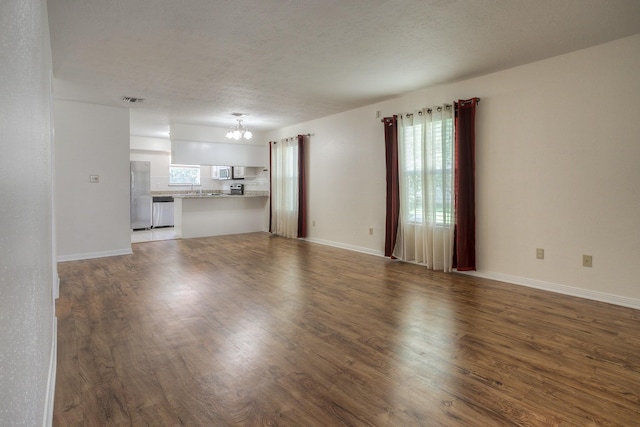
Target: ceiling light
[240, 131]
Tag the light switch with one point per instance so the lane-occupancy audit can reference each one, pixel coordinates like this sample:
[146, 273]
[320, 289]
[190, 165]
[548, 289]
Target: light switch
[94, 179]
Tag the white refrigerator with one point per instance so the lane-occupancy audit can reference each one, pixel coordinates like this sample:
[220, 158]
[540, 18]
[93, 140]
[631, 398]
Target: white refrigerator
[140, 195]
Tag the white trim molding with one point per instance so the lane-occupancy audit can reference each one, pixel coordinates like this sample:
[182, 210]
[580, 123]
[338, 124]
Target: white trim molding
[90, 255]
[56, 287]
[344, 246]
[557, 288]
[51, 379]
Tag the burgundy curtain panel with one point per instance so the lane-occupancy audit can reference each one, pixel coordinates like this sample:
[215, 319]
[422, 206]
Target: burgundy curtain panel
[302, 189]
[464, 258]
[270, 184]
[393, 184]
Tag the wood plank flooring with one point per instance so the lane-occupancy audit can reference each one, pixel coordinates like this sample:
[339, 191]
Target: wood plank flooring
[257, 330]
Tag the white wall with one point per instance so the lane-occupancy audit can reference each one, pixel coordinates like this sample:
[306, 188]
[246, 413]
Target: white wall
[558, 143]
[27, 322]
[346, 179]
[93, 220]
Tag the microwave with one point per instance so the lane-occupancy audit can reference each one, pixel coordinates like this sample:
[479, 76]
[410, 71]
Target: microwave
[224, 172]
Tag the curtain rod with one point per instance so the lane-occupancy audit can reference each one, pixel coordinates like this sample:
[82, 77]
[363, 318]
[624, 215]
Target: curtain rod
[466, 101]
[455, 102]
[294, 137]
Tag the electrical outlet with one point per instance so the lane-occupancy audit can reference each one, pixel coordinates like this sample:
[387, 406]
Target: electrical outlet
[371, 232]
[540, 253]
[587, 261]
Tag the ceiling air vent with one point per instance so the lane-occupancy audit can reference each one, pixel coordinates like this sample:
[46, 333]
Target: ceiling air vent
[132, 100]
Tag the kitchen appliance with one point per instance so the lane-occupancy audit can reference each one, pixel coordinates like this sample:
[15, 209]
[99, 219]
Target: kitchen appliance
[237, 189]
[238, 172]
[224, 172]
[162, 211]
[140, 204]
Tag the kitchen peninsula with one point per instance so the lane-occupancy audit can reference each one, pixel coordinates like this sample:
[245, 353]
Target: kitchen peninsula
[215, 214]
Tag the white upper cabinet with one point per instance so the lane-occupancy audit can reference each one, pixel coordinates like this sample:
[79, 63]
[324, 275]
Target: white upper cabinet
[218, 153]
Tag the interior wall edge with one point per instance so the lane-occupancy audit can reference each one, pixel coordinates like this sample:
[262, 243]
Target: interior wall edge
[51, 378]
[56, 285]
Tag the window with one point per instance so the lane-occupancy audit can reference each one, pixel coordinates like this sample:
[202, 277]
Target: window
[285, 172]
[425, 170]
[290, 175]
[440, 172]
[414, 175]
[184, 175]
[427, 147]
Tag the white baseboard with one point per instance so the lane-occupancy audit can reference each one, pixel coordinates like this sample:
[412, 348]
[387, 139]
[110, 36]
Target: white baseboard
[344, 246]
[51, 378]
[90, 255]
[555, 287]
[516, 280]
[56, 288]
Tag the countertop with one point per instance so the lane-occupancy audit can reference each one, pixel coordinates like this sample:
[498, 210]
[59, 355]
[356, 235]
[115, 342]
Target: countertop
[217, 195]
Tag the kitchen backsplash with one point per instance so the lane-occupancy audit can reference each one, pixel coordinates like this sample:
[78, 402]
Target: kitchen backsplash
[258, 183]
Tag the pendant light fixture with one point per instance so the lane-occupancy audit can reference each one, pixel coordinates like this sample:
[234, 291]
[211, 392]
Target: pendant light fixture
[240, 131]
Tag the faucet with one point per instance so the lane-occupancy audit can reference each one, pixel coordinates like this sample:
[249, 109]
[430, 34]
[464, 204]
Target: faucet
[197, 192]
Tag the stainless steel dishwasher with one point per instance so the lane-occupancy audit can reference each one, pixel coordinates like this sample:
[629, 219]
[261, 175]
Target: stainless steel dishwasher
[162, 211]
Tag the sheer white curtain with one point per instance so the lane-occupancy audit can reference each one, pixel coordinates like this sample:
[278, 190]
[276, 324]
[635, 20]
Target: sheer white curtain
[426, 167]
[284, 187]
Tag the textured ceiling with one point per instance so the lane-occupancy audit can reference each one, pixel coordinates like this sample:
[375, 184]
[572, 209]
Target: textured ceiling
[284, 62]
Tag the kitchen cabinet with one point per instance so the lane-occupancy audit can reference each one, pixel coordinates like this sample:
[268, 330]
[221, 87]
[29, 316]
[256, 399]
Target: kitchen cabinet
[218, 153]
[238, 172]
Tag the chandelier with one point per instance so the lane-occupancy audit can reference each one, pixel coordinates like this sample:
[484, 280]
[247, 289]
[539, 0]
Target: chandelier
[240, 131]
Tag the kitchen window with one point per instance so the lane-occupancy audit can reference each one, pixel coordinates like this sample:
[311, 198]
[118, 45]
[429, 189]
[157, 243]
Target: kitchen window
[184, 175]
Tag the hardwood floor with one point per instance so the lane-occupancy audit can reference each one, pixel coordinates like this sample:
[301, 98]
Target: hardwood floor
[253, 330]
